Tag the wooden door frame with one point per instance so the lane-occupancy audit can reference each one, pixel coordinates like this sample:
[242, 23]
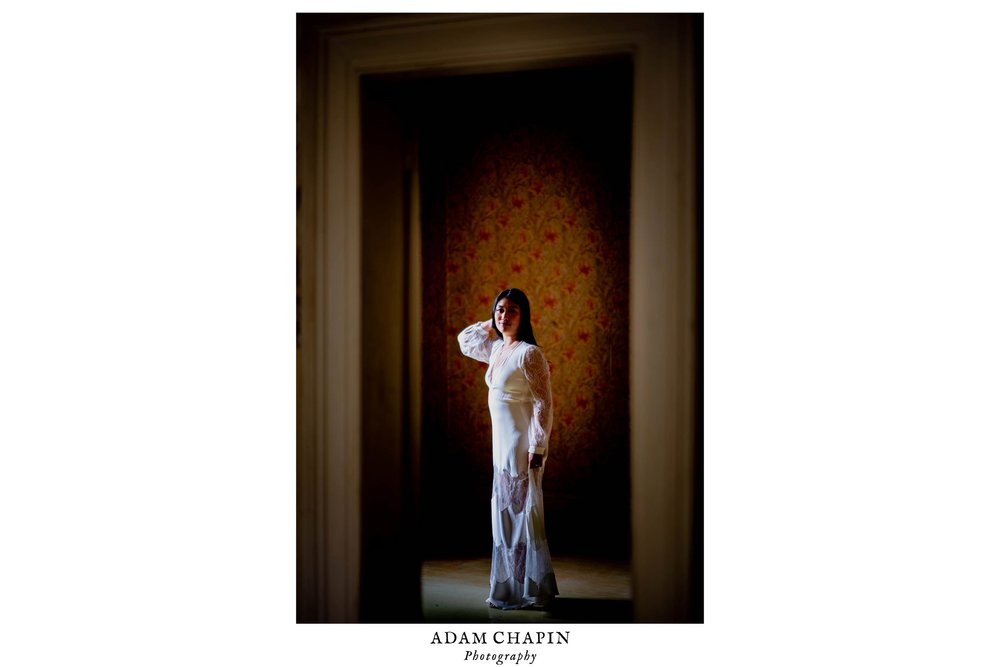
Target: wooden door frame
[334, 52]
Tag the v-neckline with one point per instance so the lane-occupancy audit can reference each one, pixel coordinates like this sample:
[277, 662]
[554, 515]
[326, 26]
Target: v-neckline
[501, 360]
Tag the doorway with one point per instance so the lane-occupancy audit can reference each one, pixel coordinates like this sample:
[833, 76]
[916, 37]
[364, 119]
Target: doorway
[360, 353]
[513, 180]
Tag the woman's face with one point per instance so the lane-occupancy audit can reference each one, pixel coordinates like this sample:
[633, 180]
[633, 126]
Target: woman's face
[507, 316]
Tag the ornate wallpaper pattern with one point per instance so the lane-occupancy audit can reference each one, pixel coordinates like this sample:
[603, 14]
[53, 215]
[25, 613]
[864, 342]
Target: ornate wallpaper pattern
[530, 208]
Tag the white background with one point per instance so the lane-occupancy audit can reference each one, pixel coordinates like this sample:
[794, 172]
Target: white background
[852, 340]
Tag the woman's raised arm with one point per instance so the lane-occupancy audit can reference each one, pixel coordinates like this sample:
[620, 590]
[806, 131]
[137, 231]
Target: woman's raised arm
[476, 340]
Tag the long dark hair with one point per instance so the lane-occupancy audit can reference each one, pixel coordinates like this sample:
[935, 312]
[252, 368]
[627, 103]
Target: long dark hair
[524, 330]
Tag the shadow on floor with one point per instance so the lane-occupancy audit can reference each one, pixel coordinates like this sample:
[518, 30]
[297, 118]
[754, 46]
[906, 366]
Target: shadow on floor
[591, 610]
[560, 610]
[591, 591]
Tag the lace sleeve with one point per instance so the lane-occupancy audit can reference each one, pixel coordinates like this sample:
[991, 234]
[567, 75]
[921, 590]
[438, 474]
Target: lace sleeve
[536, 372]
[476, 342]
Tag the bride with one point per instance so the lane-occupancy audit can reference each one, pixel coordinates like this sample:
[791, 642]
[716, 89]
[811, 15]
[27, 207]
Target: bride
[520, 402]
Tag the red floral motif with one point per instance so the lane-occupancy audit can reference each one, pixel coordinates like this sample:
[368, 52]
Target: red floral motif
[539, 199]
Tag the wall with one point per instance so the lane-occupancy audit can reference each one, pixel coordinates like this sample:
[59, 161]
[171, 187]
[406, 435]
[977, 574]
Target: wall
[526, 184]
[390, 561]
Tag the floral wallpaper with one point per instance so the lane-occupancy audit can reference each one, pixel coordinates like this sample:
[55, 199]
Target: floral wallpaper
[528, 209]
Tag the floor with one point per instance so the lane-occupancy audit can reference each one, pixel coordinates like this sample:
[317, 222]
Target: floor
[590, 590]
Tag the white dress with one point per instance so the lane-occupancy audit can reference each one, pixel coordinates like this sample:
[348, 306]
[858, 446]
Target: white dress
[520, 400]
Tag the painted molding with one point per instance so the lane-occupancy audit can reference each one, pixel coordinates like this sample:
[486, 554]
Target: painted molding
[333, 57]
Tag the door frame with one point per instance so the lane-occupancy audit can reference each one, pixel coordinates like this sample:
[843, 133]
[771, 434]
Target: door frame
[334, 52]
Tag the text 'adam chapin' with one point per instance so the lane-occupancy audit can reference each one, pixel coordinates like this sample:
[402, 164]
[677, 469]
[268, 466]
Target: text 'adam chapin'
[501, 637]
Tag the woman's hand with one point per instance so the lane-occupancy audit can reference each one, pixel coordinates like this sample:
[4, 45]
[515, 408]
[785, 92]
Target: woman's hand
[535, 460]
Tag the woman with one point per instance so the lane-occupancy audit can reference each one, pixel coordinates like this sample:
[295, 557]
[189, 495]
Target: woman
[520, 400]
